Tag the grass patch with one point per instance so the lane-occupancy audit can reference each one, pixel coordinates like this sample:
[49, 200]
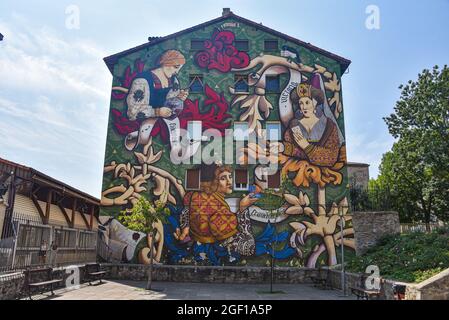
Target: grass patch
[412, 257]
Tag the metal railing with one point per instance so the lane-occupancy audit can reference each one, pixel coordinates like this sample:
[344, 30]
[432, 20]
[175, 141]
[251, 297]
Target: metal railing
[33, 244]
[422, 227]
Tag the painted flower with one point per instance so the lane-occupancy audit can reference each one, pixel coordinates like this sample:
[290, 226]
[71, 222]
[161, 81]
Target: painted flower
[298, 204]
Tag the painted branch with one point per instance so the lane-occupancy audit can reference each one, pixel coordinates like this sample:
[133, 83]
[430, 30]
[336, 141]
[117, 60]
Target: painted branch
[125, 90]
[313, 258]
[330, 248]
[171, 178]
[321, 201]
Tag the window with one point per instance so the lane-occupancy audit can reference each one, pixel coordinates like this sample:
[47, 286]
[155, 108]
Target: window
[65, 238]
[194, 129]
[241, 83]
[86, 240]
[241, 131]
[274, 180]
[273, 130]
[272, 84]
[241, 179]
[196, 44]
[196, 83]
[271, 45]
[192, 179]
[242, 45]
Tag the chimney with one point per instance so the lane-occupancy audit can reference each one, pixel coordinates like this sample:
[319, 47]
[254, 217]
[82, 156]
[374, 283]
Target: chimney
[226, 11]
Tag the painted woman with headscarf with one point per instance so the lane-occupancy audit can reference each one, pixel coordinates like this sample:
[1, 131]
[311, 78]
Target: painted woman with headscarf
[156, 94]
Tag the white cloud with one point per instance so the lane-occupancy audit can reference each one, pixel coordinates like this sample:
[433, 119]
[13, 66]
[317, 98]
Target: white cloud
[54, 102]
[365, 148]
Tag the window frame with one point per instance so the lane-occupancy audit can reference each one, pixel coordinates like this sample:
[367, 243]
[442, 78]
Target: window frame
[278, 123]
[241, 41]
[192, 79]
[192, 137]
[278, 89]
[278, 172]
[246, 136]
[235, 183]
[197, 41]
[270, 50]
[199, 180]
[246, 80]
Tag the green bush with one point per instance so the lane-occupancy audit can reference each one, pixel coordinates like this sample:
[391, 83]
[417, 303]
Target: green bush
[412, 257]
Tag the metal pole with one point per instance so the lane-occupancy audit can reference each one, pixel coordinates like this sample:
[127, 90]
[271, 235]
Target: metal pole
[342, 225]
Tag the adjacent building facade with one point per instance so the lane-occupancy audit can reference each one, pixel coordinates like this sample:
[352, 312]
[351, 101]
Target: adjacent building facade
[238, 129]
[44, 221]
[358, 174]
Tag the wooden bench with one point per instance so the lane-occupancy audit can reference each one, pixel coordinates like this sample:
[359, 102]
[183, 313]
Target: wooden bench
[362, 292]
[92, 272]
[40, 279]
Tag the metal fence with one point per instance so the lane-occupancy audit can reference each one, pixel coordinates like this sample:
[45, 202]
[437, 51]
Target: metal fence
[422, 227]
[33, 244]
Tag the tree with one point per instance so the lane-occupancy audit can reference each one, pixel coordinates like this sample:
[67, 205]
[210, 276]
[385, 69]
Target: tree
[416, 170]
[143, 218]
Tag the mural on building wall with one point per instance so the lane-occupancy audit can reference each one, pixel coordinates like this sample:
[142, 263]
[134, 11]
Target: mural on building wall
[215, 224]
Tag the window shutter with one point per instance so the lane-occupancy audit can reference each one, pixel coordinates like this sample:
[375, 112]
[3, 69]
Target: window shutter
[241, 176]
[193, 179]
[274, 180]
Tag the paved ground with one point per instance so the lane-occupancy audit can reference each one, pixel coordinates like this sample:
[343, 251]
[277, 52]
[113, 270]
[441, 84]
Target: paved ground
[134, 290]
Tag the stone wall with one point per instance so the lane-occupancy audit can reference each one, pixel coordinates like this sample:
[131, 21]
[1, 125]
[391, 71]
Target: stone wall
[12, 285]
[210, 274]
[369, 227]
[435, 288]
[355, 280]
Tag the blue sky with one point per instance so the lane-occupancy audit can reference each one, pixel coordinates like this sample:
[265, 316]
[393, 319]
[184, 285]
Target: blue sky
[55, 88]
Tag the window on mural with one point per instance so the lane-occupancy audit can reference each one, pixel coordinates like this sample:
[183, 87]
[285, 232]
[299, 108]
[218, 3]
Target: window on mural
[241, 179]
[241, 131]
[196, 83]
[196, 44]
[272, 84]
[192, 179]
[241, 83]
[271, 45]
[273, 130]
[194, 129]
[274, 180]
[241, 45]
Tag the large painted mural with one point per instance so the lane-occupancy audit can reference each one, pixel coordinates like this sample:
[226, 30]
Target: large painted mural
[215, 223]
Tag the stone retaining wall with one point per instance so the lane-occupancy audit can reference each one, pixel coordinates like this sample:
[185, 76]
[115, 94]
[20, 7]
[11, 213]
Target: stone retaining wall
[354, 280]
[210, 274]
[435, 288]
[12, 285]
[369, 227]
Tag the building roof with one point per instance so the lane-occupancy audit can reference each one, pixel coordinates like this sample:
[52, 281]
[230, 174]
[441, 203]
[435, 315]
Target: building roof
[357, 164]
[112, 60]
[35, 175]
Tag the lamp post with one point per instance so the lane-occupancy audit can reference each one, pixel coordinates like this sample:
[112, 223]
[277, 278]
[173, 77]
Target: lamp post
[342, 226]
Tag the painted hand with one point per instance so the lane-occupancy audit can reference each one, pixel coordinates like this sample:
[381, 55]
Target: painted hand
[183, 95]
[300, 140]
[163, 112]
[246, 202]
[181, 235]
